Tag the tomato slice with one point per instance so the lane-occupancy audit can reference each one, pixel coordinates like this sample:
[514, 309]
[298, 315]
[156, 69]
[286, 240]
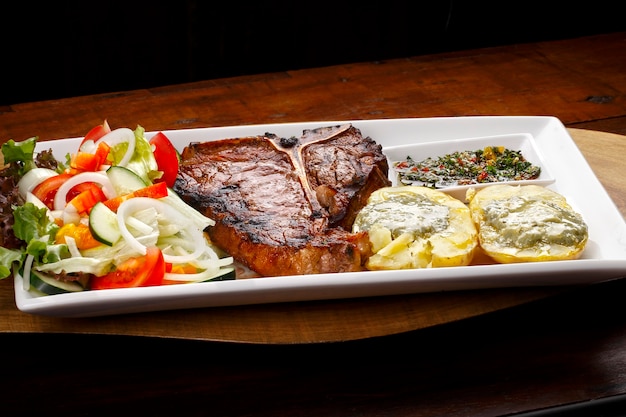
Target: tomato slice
[141, 271]
[166, 157]
[88, 142]
[47, 189]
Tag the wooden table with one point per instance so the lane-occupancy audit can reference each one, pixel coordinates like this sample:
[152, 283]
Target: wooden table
[484, 353]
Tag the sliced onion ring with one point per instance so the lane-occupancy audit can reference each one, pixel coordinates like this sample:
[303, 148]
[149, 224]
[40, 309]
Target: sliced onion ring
[117, 136]
[197, 277]
[200, 248]
[33, 178]
[28, 264]
[97, 177]
[135, 204]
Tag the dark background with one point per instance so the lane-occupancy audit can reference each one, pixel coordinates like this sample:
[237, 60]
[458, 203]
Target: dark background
[66, 48]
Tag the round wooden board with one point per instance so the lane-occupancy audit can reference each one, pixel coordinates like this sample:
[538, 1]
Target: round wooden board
[328, 320]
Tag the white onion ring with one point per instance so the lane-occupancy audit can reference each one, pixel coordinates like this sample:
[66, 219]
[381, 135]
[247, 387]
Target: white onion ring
[197, 277]
[71, 245]
[97, 177]
[135, 204]
[70, 214]
[117, 136]
[200, 248]
[28, 263]
[33, 178]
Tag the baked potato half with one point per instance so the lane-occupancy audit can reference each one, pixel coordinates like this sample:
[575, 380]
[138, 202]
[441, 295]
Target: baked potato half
[416, 227]
[526, 223]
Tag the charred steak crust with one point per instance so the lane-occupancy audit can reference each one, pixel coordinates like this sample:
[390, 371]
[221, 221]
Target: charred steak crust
[285, 206]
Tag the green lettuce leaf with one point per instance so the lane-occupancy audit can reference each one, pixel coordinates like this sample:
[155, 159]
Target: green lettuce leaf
[33, 223]
[143, 162]
[7, 258]
[20, 154]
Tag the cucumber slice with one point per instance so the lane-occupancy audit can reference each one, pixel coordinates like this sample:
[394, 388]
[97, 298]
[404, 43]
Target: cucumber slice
[103, 224]
[124, 180]
[51, 286]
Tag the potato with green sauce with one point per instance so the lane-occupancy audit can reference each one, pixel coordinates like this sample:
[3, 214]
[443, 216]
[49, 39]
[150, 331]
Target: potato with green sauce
[416, 227]
[526, 223]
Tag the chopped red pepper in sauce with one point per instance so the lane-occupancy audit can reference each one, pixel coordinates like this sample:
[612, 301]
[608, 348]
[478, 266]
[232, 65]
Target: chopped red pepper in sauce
[491, 164]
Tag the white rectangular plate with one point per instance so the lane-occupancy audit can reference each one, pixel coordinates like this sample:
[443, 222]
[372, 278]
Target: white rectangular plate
[603, 259]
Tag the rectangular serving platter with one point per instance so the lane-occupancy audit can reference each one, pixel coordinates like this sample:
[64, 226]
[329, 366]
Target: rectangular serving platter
[604, 257]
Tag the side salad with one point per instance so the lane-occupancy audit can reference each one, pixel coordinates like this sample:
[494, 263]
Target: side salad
[104, 218]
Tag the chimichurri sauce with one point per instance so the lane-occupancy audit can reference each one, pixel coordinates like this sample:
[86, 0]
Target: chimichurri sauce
[491, 164]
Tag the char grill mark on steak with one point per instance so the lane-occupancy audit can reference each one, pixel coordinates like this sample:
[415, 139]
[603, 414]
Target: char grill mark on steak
[285, 206]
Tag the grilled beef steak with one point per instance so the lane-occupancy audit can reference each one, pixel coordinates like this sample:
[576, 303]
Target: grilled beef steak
[285, 206]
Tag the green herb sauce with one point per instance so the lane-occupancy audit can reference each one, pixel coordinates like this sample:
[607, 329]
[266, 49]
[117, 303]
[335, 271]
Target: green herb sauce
[488, 165]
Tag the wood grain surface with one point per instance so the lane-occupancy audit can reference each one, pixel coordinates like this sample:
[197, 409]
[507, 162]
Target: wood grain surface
[578, 81]
[605, 154]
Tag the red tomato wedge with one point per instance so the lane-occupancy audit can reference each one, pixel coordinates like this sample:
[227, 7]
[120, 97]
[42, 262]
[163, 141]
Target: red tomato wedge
[88, 191]
[93, 135]
[47, 189]
[141, 271]
[166, 157]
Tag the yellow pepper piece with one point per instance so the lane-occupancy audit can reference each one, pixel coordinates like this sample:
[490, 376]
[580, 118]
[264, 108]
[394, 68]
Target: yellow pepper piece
[81, 234]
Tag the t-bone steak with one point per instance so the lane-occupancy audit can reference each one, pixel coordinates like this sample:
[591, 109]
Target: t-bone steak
[285, 206]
